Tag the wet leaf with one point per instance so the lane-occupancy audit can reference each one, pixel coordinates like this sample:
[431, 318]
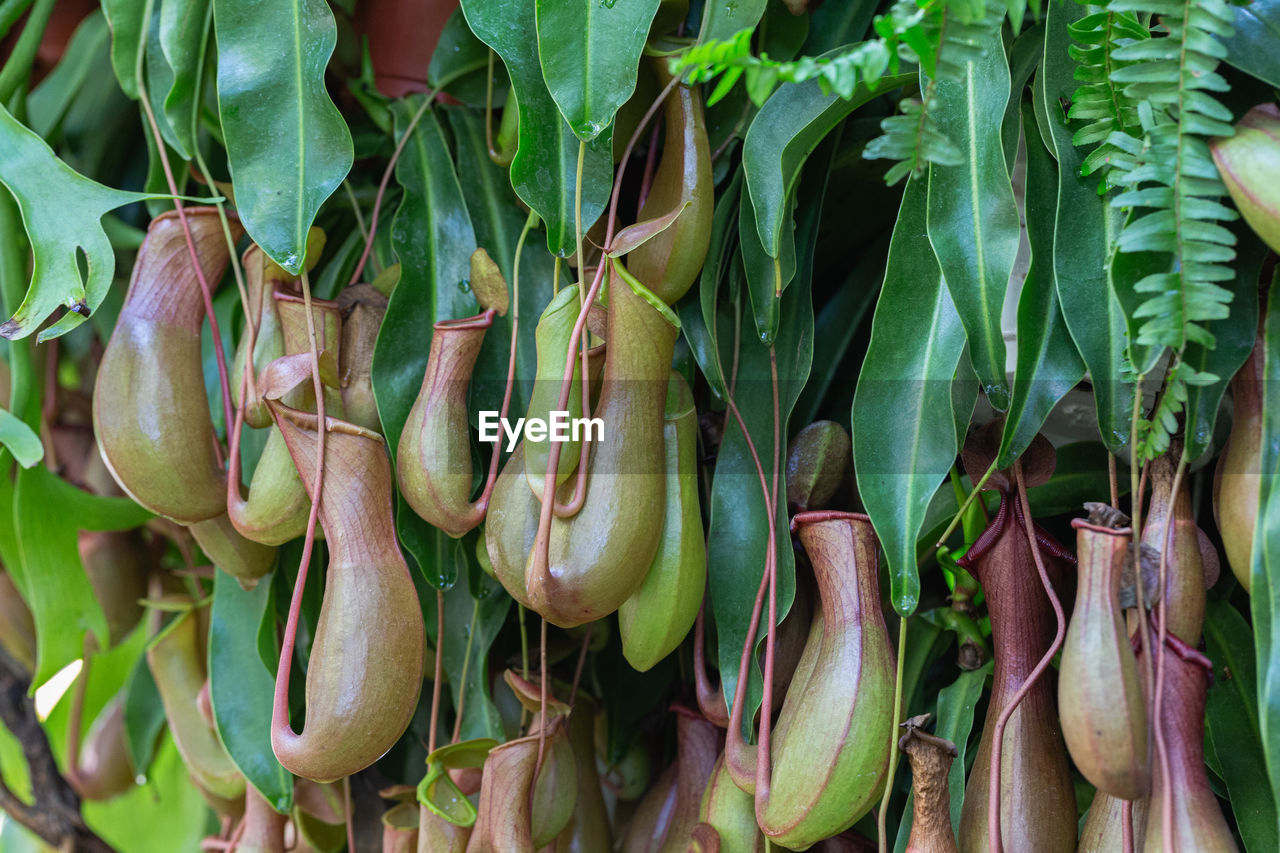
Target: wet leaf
[917, 342]
[590, 56]
[241, 687]
[287, 145]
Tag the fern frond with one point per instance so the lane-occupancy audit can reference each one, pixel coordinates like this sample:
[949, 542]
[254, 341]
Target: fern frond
[1100, 101]
[1168, 176]
[953, 36]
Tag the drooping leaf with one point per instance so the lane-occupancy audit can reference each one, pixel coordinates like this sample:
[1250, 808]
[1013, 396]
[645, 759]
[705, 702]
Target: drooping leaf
[1085, 229]
[1252, 47]
[590, 56]
[973, 219]
[1231, 718]
[62, 211]
[241, 687]
[766, 277]
[498, 220]
[704, 322]
[143, 716]
[50, 574]
[1265, 571]
[457, 54]
[127, 30]
[433, 241]
[288, 147]
[739, 511]
[917, 342]
[1234, 336]
[544, 171]
[473, 614]
[783, 134]
[1048, 365]
[183, 34]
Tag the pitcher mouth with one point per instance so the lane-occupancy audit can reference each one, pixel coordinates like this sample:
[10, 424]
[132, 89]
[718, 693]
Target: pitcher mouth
[816, 516]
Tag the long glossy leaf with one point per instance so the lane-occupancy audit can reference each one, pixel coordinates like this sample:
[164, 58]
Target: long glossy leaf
[1234, 336]
[720, 20]
[704, 323]
[62, 211]
[287, 145]
[1085, 229]
[474, 612]
[125, 19]
[973, 219]
[1232, 721]
[241, 687]
[1265, 573]
[783, 134]
[183, 34]
[143, 716]
[738, 507]
[917, 342]
[590, 56]
[544, 171]
[957, 703]
[1252, 48]
[766, 277]
[1048, 365]
[433, 241]
[498, 220]
[49, 574]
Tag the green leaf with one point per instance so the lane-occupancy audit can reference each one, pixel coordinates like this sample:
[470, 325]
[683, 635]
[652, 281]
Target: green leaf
[704, 323]
[1232, 720]
[1234, 336]
[590, 56]
[783, 134]
[739, 512]
[432, 237]
[20, 439]
[457, 54]
[1085, 229]
[766, 277]
[183, 36]
[50, 575]
[721, 21]
[1048, 365]
[1082, 474]
[474, 612]
[288, 147]
[125, 19]
[916, 345]
[544, 170]
[498, 220]
[241, 688]
[957, 703]
[143, 716]
[1252, 48]
[1265, 573]
[62, 211]
[973, 218]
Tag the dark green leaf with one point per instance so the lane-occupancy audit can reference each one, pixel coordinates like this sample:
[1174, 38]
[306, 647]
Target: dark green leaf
[1252, 48]
[1085, 228]
[766, 276]
[143, 716]
[973, 219]
[1048, 365]
[720, 21]
[590, 55]
[1234, 336]
[917, 342]
[544, 171]
[241, 687]
[433, 241]
[705, 322]
[125, 20]
[183, 33]
[287, 145]
[1232, 720]
[50, 100]
[471, 624]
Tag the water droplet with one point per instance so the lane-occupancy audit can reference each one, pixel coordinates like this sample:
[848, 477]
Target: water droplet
[292, 261]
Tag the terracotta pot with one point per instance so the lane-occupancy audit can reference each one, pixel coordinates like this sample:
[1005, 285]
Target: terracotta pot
[402, 36]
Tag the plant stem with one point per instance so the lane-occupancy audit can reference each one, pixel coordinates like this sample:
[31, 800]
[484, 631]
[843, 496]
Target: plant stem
[955, 521]
[883, 836]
